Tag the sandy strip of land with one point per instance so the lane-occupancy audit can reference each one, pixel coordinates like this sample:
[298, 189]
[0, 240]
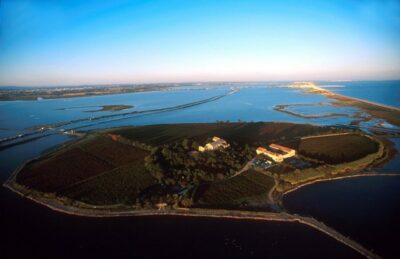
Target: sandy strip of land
[311, 88]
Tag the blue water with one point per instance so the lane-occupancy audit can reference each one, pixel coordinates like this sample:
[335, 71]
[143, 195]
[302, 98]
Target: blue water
[249, 104]
[323, 110]
[384, 92]
[25, 114]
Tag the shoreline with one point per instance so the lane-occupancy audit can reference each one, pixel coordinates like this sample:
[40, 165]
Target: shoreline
[57, 206]
[344, 100]
[361, 100]
[337, 178]
[387, 113]
[314, 89]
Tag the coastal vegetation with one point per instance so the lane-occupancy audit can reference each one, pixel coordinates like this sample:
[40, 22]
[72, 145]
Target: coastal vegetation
[390, 114]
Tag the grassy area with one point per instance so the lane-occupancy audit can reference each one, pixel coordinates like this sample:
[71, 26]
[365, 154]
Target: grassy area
[247, 188]
[338, 149]
[119, 186]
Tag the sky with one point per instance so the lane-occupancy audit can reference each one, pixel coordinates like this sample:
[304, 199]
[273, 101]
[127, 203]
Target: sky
[71, 42]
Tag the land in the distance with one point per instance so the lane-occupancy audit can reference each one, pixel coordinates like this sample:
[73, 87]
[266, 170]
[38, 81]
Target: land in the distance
[376, 110]
[101, 108]
[112, 108]
[38, 93]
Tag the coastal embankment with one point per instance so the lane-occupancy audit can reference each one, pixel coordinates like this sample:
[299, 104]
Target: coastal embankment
[51, 129]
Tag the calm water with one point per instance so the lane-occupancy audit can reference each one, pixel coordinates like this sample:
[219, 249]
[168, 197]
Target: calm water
[385, 92]
[34, 230]
[365, 208]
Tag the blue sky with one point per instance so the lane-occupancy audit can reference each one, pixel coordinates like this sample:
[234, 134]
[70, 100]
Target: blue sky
[73, 42]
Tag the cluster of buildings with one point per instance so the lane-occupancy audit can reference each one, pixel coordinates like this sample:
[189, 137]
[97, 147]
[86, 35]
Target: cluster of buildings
[215, 144]
[276, 152]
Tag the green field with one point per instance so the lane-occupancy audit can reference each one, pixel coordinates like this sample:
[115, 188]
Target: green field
[249, 187]
[338, 149]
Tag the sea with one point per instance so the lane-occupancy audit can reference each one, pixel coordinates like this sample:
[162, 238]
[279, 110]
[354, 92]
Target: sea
[29, 230]
[384, 92]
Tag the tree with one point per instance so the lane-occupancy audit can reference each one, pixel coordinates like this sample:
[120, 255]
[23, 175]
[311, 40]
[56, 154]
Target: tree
[186, 143]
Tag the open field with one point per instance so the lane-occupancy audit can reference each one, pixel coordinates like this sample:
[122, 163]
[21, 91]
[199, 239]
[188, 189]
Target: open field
[113, 152]
[77, 162]
[250, 187]
[118, 186]
[241, 133]
[337, 149]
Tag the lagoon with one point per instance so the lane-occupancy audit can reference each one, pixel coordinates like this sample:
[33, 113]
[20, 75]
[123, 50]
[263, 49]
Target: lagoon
[250, 103]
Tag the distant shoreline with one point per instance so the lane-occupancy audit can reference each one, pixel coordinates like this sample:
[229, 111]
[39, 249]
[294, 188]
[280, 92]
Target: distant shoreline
[389, 113]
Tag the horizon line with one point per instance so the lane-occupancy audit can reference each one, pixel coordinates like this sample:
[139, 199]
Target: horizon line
[192, 82]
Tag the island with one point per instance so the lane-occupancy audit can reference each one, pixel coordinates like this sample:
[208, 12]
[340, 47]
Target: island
[112, 108]
[232, 170]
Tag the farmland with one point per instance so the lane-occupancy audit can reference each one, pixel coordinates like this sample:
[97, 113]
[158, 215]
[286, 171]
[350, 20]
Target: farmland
[240, 133]
[82, 160]
[250, 187]
[337, 149]
[140, 167]
[119, 186]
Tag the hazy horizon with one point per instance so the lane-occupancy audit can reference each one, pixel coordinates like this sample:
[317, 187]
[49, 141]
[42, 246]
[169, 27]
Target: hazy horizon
[68, 43]
[191, 82]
